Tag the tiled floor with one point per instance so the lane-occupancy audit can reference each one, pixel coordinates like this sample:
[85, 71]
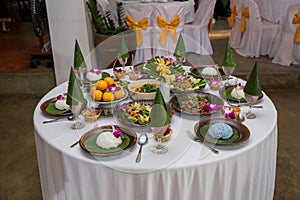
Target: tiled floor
[18, 164]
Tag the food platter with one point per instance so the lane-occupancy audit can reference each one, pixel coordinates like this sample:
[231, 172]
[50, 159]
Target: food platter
[48, 107]
[138, 119]
[240, 132]
[187, 84]
[88, 141]
[225, 93]
[196, 71]
[139, 95]
[188, 103]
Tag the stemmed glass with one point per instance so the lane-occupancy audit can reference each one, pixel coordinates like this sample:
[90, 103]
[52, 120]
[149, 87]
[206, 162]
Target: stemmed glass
[251, 100]
[158, 133]
[122, 61]
[76, 109]
[227, 71]
[81, 73]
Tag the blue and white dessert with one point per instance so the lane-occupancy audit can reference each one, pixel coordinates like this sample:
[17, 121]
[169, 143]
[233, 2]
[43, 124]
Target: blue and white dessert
[220, 131]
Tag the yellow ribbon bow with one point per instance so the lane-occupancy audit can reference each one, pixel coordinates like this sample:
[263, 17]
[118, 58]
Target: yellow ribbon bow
[162, 23]
[137, 26]
[210, 24]
[296, 20]
[245, 14]
[234, 13]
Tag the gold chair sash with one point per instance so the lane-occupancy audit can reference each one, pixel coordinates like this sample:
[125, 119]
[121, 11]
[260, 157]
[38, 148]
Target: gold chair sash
[162, 23]
[245, 14]
[296, 20]
[234, 13]
[137, 26]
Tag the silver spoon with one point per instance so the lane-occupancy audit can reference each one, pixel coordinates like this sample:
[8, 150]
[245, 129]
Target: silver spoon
[143, 139]
[70, 118]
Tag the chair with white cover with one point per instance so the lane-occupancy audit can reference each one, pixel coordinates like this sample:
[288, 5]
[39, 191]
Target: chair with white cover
[257, 34]
[196, 34]
[286, 49]
[235, 21]
[168, 20]
[138, 17]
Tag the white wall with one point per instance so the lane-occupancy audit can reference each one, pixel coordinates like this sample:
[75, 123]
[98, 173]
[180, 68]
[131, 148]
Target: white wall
[68, 20]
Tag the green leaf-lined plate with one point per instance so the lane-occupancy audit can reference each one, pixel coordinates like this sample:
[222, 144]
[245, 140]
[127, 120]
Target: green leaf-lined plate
[225, 93]
[240, 132]
[88, 141]
[48, 107]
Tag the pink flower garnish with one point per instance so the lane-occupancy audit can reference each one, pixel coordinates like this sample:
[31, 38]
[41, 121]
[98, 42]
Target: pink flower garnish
[228, 112]
[117, 70]
[137, 72]
[180, 77]
[168, 129]
[96, 70]
[113, 88]
[211, 107]
[62, 96]
[213, 82]
[240, 86]
[117, 133]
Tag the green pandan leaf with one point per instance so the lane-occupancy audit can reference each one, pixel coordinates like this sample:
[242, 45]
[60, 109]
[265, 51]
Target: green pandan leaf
[159, 115]
[123, 52]
[78, 57]
[180, 48]
[53, 110]
[75, 95]
[228, 57]
[253, 86]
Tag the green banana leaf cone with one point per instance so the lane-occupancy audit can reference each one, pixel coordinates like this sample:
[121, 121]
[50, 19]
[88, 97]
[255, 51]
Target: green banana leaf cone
[78, 57]
[180, 50]
[123, 52]
[75, 95]
[253, 86]
[228, 60]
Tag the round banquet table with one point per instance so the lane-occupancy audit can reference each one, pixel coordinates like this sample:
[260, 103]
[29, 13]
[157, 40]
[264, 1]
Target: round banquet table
[187, 171]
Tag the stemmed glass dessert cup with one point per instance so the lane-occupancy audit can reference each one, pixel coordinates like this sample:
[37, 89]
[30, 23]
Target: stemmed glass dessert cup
[122, 61]
[76, 109]
[227, 71]
[158, 132]
[251, 100]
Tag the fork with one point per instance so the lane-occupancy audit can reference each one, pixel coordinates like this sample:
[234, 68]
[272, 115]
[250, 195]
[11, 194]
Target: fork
[243, 104]
[197, 139]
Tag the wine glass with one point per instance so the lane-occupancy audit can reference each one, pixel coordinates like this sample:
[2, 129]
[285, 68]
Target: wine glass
[76, 109]
[80, 74]
[227, 71]
[122, 61]
[251, 100]
[158, 133]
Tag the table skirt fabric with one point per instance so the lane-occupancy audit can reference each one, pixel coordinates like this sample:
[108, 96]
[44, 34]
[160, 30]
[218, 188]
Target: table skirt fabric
[250, 175]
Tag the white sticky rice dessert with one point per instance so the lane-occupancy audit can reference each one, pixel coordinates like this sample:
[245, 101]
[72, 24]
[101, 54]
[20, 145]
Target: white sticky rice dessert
[238, 93]
[220, 130]
[62, 105]
[91, 76]
[107, 140]
[209, 71]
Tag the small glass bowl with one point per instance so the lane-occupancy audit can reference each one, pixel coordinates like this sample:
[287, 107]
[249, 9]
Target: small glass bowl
[166, 136]
[91, 114]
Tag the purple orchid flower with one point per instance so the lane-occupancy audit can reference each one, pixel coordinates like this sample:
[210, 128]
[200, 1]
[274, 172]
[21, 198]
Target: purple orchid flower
[96, 70]
[211, 107]
[180, 77]
[117, 133]
[213, 82]
[62, 96]
[122, 107]
[228, 112]
[113, 88]
[117, 70]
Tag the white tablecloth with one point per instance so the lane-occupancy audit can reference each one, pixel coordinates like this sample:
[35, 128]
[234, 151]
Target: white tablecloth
[274, 10]
[187, 171]
[188, 7]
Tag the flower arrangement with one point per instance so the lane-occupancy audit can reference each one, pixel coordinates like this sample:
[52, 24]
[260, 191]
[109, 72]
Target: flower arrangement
[163, 68]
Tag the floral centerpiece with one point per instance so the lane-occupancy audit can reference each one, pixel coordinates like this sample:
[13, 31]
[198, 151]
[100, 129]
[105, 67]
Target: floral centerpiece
[163, 68]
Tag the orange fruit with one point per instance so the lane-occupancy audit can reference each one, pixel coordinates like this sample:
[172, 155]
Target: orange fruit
[101, 85]
[97, 95]
[108, 96]
[92, 89]
[109, 80]
[119, 94]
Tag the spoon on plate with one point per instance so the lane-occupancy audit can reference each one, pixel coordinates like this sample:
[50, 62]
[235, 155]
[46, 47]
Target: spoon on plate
[143, 139]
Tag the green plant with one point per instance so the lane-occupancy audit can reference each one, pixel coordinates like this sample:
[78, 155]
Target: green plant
[104, 23]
